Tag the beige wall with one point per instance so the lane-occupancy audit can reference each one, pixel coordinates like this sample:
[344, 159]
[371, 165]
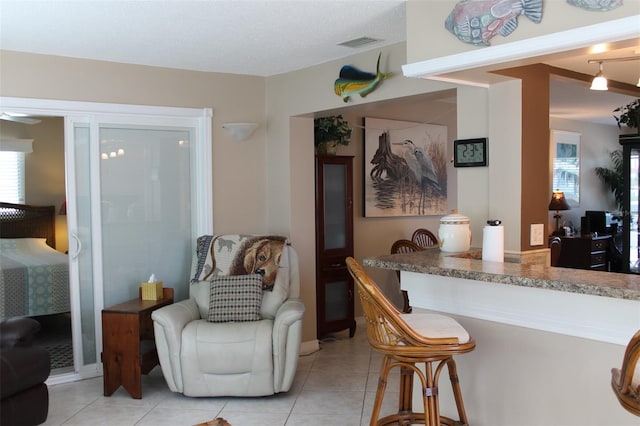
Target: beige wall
[44, 172]
[300, 94]
[239, 200]
[44, 167]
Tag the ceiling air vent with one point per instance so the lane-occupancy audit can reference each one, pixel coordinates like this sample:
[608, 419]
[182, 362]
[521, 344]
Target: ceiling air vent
[359, 42]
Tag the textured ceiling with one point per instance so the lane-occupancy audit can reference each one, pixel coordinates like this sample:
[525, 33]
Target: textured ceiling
[260, 38]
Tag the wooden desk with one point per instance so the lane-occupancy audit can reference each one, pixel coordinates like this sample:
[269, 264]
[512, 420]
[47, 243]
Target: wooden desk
[585, 253]
[128, 345]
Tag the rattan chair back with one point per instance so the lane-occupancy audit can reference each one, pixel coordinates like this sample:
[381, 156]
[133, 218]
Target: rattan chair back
[625, 381]
[424, 238]
[555, 245]
[404, 246]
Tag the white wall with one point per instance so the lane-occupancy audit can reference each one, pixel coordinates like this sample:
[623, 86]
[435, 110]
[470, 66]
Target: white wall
[505, 182]
[522, 377]
[473, 182]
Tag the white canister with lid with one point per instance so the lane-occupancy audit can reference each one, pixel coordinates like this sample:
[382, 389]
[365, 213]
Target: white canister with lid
[454, 234]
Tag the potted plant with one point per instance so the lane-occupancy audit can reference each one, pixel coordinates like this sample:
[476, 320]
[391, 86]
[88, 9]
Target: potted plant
[629, 115]
[329, 132]
[613, 177]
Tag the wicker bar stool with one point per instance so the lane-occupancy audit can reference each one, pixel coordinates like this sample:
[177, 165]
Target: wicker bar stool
[406, 340]
[625, 381]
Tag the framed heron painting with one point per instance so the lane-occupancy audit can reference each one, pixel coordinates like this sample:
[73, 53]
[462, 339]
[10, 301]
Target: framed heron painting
[405, 168]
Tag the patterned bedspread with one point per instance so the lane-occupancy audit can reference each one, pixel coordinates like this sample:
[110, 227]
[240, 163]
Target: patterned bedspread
[34, 278]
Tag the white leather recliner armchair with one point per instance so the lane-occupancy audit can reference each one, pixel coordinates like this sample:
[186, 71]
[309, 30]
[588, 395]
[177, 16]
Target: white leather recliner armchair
[248, 358]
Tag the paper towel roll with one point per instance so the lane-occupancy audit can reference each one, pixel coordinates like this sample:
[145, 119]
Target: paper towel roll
[493, 243]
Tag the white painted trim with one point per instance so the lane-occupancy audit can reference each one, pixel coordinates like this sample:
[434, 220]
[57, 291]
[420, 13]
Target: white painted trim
[576, 38]
[204, 169]
[453, 80]
[597, 318]
[56, 108]
[87, 372]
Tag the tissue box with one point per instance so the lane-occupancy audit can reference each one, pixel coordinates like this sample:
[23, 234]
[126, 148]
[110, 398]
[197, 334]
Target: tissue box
[152, 291]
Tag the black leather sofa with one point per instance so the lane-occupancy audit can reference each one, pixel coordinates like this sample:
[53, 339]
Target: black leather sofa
[23, 371]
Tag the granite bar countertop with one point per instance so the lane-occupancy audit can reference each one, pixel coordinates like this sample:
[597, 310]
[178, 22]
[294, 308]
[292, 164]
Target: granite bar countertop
[469, 266]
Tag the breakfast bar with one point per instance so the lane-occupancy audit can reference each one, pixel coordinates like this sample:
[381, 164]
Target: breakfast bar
[546, 337]
[597, 305]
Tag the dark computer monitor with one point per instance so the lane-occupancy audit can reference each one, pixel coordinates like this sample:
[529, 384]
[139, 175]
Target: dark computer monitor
[597, 221]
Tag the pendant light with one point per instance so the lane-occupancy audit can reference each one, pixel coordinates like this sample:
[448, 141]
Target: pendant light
[599, 81]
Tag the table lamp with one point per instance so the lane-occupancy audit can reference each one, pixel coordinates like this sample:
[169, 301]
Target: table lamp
[558, 202]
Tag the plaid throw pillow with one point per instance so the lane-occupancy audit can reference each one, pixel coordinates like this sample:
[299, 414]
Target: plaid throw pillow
[235, 298]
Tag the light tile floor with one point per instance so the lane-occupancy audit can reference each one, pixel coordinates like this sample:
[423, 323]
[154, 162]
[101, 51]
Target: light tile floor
[334, 386]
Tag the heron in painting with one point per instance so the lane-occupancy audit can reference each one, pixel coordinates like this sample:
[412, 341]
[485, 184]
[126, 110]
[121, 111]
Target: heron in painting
[420, 163]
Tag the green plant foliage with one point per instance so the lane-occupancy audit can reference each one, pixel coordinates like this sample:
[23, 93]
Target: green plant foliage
[629, 114]
[613, 178]
[332, 128]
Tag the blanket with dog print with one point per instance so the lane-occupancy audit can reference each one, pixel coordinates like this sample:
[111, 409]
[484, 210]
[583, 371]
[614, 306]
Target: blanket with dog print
[236, 254]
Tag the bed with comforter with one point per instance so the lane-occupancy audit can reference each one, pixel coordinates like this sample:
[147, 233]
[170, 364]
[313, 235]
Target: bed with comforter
[34, 277]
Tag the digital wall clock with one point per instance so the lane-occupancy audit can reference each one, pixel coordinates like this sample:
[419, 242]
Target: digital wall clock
[470, 152]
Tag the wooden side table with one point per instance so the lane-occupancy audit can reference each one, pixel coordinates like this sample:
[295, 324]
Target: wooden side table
[128, 344]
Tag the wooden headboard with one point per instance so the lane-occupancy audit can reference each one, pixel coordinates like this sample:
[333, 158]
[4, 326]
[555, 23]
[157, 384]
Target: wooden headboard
[23, 221]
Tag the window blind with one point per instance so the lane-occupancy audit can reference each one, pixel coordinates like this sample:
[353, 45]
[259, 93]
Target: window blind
[12, 177]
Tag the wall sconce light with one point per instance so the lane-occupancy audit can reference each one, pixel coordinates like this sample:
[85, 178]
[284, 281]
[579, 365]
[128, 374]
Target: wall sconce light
[599, 80]
[240, 131]
[558, 202]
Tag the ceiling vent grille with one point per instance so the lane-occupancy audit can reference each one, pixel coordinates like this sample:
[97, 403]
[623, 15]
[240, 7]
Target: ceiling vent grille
[359, 42]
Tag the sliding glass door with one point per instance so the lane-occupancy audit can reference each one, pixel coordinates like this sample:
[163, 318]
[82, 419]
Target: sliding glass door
[145, 202]
[139, 192]
[81, 241]
[131, 188]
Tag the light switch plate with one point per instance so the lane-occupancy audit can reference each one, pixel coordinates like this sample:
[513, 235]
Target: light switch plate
[537, 234]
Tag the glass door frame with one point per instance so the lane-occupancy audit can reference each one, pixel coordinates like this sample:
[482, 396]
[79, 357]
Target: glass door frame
[92, 114]
[630, 144]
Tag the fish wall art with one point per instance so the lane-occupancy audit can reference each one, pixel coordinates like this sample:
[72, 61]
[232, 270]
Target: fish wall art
[596, 5]
[352, 81]
[478, 21]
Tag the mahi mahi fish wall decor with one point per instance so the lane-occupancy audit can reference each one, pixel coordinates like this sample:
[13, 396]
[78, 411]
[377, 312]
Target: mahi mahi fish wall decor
[352, 81]
[478, 21]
